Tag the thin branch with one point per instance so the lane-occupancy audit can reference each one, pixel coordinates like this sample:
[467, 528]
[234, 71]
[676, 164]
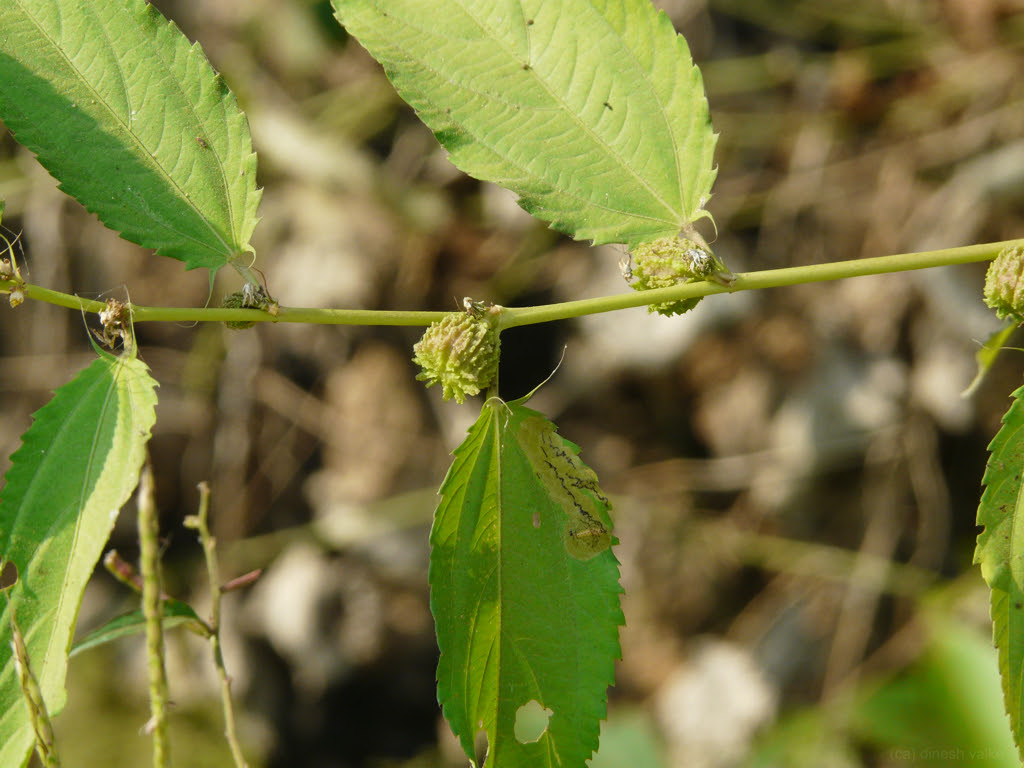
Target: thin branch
[747, 281]
[152, 609]
[511, 317]
[200, 523]
[41, 725]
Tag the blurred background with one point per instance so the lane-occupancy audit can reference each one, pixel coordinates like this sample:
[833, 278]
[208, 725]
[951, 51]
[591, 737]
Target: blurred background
[794, 472]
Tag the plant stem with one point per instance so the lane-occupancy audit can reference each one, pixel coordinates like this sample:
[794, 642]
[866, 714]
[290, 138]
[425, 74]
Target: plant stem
[200, 523]
[516, 316]
[45, 746]
[152, 609]
[773, 278]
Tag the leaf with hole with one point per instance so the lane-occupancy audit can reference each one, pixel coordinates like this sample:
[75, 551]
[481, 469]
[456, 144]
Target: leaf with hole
[525, 593]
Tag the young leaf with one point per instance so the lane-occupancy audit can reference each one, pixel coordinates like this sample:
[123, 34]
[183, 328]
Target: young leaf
[77, 466]
[133, 122]
[592, 112]
[175, 613]
[986, 355]
[1000, 552]
[524, 592]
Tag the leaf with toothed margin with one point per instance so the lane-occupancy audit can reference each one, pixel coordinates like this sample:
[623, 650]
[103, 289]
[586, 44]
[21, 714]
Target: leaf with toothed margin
[77, 465]
[134, 124]
[592, 111]
[524, 591]
[1000, 552]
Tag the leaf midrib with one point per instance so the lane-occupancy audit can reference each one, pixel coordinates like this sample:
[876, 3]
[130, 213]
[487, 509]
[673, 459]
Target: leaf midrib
[143, 152]
[110, 394]
[597, 139]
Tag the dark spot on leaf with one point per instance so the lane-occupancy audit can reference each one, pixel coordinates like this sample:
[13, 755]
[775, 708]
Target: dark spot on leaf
[529, 22]
[526, 66]
[8, 575]
[607, 105]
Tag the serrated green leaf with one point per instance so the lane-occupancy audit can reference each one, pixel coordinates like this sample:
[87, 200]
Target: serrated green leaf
[175, 613]
[133, 122]
[1000, 552]
[592, 111]
[76, 467]
[527, 610]
[1008, 635]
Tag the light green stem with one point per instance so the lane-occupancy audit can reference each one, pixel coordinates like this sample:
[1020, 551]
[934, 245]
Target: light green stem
[773, 278]
[511, 317]
[152, 609]
[200, 523]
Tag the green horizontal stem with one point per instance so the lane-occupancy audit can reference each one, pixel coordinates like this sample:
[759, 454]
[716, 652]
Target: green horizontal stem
[516, 316]
[142, 314]
[772, 278]
[286, 315]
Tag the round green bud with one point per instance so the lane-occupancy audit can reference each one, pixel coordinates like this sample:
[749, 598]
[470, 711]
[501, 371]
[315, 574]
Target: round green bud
[670, 261]
[459, 352]
[1004, 288]
[236, 300]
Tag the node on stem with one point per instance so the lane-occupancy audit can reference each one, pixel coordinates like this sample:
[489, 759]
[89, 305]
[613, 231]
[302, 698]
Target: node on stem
[670, 261]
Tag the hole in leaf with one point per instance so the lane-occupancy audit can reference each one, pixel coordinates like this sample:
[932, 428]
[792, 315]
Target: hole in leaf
[8, 575]
[531, 722]
[481, 746]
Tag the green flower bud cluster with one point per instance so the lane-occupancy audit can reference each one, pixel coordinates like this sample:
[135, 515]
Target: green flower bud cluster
[1004, 286]
[460, 352]
[250, 297]
[670, 261]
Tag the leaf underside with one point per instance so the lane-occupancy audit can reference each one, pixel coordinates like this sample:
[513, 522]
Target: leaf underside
[592, 111]
[133, 122]
[520, 618]
[76, 467]
[1000, 552]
